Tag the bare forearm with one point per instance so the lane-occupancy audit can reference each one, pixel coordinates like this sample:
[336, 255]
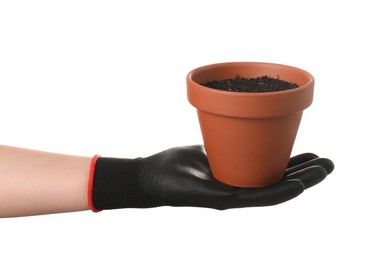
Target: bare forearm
[34, 182]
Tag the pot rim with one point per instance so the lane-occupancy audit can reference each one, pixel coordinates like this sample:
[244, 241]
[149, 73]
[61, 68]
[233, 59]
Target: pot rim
[254, 104]
[250, 63]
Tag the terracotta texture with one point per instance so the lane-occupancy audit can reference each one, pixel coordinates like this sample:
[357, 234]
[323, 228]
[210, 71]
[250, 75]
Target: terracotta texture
[249, 136]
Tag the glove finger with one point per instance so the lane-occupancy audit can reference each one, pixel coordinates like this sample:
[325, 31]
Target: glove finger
[309, 176]
[301, 158]
[265, 196]
[323, 162]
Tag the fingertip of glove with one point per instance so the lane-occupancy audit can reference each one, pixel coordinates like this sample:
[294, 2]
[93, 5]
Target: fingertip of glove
[310, 176]
[327, 164]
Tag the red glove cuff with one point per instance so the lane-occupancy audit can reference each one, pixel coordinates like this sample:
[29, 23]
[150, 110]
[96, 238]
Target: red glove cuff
[90, 199]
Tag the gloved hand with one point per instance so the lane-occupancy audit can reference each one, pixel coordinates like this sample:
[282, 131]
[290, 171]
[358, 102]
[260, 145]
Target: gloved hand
[181, 176]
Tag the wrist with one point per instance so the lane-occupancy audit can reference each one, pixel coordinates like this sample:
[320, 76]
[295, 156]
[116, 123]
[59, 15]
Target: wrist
[124, 183]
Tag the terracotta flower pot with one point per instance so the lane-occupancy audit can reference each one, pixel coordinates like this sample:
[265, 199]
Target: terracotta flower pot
[248, 137]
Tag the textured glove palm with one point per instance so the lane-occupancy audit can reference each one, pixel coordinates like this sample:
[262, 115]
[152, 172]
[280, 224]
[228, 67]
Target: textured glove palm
[181, 176]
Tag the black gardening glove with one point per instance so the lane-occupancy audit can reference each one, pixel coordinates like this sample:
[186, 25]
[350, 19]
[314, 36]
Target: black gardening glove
[181, 176]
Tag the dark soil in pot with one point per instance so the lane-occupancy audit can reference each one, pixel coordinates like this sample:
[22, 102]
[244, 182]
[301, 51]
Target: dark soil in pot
[259, 84]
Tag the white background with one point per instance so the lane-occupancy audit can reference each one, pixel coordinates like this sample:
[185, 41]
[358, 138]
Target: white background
[108, 77]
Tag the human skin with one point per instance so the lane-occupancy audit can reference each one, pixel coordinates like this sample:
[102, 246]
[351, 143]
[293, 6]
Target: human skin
[34, 182]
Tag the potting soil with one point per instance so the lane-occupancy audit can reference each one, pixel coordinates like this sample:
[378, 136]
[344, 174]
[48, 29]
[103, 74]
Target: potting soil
[259, 84]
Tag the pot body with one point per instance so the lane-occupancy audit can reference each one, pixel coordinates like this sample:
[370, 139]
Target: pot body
[249, 136]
